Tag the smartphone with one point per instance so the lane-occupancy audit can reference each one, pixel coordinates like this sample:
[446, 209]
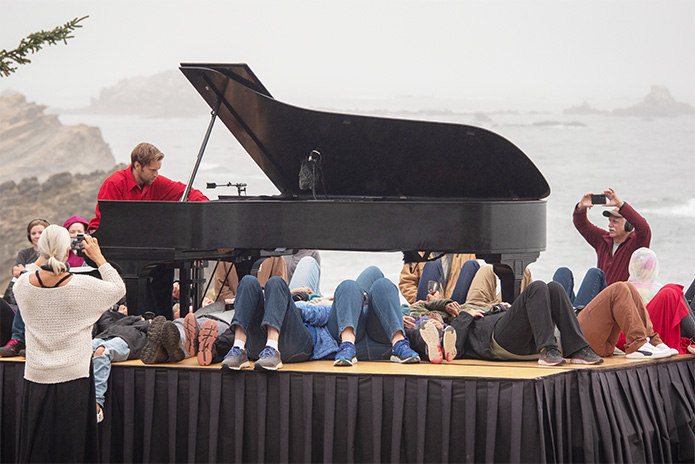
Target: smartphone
[598, 199]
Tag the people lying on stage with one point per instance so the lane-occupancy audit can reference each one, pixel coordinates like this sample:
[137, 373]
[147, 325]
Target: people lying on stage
[627, 231]
[77, 226]
[671, 315]
[291, 262]
[525, 330]
[617, 308]
[271, 328]
[141, 181]
[15, 346]
[58, 421]
[450, 276]
[119, 337]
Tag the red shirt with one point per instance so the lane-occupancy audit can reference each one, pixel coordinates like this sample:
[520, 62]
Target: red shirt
[122, 186]
[615, 266]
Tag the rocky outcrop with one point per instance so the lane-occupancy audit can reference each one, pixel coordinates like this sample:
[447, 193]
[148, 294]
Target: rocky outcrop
[167, 94]
[62, 195]
[583, 109]
[34, 144]
[658, 102]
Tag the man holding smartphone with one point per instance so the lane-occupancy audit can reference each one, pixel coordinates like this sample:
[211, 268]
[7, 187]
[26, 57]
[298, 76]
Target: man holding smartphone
[627, 231]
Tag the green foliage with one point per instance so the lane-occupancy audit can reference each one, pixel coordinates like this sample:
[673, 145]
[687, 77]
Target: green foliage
[34, 42]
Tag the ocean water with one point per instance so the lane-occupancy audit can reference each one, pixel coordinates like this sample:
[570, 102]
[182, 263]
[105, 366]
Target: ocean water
[649, 162]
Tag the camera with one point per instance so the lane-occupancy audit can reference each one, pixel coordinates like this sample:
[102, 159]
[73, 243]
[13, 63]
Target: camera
[598, 199]
[77, 243]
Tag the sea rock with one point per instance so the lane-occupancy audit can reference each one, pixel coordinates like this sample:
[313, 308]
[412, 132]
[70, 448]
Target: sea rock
[166, 94]
[585, 108]
[657, 103]
[34, 144]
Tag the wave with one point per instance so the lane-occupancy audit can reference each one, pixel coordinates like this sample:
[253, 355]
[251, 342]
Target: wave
[686, 209]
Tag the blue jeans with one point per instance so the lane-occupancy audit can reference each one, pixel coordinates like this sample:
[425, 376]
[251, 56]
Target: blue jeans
[594, 282]
[307, 274]
[371, 306]
[432, 270]
[18, 326]
[253, 312]
[116, 349]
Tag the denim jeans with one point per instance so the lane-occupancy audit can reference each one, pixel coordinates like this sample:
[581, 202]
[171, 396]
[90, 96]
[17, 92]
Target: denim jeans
[253, 312]
[433, 270]
[371, 305]
[307, 274]
[18, 326]
[594, 282]
[116, 349]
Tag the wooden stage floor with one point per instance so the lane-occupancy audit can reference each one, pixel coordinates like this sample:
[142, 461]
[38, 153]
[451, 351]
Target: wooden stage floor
[466, 411]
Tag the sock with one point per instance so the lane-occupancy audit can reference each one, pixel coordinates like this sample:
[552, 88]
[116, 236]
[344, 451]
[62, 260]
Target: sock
[240, 344]
[272, 344]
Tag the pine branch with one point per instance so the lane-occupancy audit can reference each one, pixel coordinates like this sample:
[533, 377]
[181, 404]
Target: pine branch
[34, 42]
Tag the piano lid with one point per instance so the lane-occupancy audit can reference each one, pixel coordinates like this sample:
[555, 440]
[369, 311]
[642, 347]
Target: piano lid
[365, 155]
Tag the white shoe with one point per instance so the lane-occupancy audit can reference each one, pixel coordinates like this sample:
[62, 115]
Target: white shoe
[648, 351]
[449, 342]
[665, 347]
[430, 335]
[100, 416]
[691, 348]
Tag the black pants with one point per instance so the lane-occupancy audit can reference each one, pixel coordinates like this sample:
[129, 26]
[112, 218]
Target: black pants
[528, 326]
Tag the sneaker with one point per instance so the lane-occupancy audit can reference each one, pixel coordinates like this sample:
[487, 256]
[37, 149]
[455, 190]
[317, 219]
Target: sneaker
[346, 355]
[100, 414]
[269, 359]
[691, 348]
[586, 356]
[665, 347]
[430, 335]
[206, 343]
[190, 328]
[403, 353]
[171, 341]
[449, 342]
[648, 351]
[236, 359]
[154, 352]
[12, 348]
[550, 356]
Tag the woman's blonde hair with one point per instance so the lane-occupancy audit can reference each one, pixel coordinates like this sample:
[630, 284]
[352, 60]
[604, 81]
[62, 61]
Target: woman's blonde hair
[53, 247]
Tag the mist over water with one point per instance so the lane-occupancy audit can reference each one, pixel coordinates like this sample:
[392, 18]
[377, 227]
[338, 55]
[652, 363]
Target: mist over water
[649, 162]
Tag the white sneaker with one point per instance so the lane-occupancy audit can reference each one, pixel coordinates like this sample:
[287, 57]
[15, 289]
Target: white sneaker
[691, 348]
[648, 351]
[430, 335]
[100, 416]
[665, 347]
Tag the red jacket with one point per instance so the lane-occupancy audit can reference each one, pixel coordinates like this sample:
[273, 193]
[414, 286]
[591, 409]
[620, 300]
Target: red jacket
[616, 267]
[122, 186]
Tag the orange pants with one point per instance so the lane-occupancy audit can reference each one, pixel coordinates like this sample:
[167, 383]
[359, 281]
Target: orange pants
[618, 307]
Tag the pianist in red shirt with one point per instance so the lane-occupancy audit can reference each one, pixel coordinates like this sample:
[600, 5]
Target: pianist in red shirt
[141, 181]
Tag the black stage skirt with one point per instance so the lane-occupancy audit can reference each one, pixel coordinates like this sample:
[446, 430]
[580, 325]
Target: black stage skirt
[58, 422]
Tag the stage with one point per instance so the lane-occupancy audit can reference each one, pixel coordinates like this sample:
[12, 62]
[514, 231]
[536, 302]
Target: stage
[465, 411]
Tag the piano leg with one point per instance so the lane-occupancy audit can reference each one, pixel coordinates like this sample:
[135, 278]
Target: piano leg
[510, 269]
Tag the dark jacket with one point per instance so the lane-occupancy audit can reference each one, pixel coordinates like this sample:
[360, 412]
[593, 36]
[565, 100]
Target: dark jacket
[132, 329]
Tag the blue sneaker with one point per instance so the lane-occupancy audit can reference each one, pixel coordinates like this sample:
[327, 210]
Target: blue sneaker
[269, 359]
[402, 353]
[236, 359]
[346, 355]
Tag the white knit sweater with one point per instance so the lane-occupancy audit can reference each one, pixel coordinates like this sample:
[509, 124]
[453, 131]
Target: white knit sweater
[59, 322]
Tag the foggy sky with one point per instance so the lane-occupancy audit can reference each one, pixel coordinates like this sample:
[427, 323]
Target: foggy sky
[534, 50]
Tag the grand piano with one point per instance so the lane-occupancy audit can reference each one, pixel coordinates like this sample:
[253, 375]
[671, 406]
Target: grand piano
[347, 182]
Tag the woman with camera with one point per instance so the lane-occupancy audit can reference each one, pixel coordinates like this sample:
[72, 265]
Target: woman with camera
[58, 420]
